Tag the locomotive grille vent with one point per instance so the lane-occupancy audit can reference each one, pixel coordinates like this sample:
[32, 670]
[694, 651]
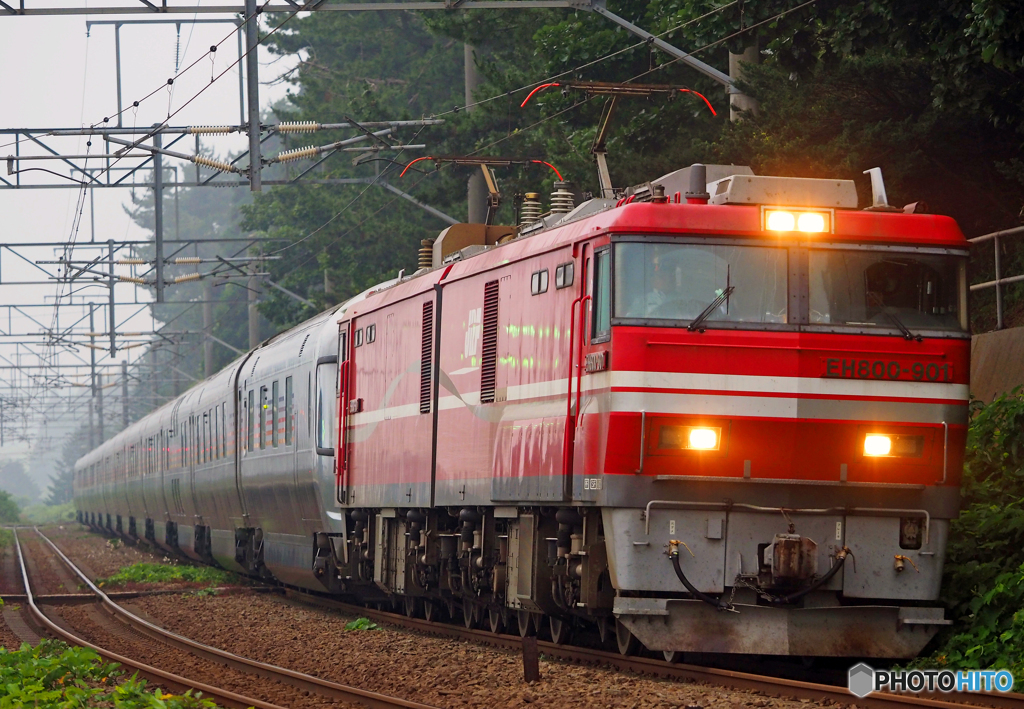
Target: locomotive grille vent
[303, 345]
[489, 359]
[426, 358]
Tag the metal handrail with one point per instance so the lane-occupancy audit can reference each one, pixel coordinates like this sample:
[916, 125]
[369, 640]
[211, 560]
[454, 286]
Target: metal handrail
[999, 281]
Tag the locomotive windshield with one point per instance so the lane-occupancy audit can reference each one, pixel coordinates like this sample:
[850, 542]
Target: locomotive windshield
[872, 289]
[662, 281]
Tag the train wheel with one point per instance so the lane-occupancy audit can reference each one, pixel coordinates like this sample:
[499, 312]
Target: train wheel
[604, 629]
[497, 620]
[412, 606]
[627, 642]
[470, 614]
[673, 656]
[431, 611]
[560, 630]
[525, 621]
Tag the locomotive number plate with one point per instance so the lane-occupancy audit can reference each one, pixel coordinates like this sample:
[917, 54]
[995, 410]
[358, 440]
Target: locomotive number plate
[844, 368]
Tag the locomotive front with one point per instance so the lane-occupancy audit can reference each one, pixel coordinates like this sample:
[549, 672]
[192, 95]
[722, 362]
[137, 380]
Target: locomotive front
[775, 418]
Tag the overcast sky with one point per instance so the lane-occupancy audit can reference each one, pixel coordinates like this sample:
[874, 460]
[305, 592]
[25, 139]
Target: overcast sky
[59, 74]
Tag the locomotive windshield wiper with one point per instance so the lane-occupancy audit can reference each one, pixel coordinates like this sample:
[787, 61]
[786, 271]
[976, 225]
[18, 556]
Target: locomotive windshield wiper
[874, 299]
[706, 313]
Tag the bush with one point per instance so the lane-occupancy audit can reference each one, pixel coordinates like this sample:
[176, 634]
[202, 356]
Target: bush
[145, 572]
[9, 511]
[983, 584]
[55, 675]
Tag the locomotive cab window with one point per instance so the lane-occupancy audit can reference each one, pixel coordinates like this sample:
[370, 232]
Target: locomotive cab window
[679, 282]
[539, 282]
[871, 289]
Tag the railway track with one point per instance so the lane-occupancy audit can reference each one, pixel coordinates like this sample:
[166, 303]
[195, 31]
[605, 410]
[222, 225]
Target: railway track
[773, 686]
[299, 681]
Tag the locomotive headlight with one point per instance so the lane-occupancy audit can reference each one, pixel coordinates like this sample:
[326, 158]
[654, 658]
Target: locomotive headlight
[779, 221]
[703, 438]
[811, 222]
[876, 445]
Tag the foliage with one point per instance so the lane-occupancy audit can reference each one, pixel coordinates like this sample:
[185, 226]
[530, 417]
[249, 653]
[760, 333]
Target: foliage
[983, 583]
[6, 538]
[9, 510]
[361, 624]
[55, 675]
[146, 572]
[62, 485]
[49, 514]
[16, 480]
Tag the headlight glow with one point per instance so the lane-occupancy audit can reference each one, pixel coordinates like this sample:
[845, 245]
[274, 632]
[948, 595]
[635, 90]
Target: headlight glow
[703, 438]
[811, 222]
[780, 221]
[876, 445]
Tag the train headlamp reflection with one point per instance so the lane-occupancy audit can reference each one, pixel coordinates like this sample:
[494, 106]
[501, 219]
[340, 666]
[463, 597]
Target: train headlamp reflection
[876, 445]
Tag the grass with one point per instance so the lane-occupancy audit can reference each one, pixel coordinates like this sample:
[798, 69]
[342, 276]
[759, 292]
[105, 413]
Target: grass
[49, 514]
[52, 674]
[6, 538]
[145, 572]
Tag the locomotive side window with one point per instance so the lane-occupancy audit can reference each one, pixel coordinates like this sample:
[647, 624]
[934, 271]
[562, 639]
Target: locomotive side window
[358, 338]
[601, 327]
[678, 282]
[874, 289]
[371, 333]
[539, 282]
[564, 275]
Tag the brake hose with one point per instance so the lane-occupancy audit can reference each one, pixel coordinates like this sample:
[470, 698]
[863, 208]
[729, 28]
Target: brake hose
[718, 603]
[841, 555]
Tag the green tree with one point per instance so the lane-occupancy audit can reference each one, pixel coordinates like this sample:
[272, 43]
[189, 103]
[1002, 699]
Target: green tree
[9, 510]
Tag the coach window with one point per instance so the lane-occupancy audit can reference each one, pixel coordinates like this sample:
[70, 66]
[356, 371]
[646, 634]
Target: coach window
[326, 402]
[263, 417]
[601, 328]
[274, 408]
[250, 426]
[289, 410]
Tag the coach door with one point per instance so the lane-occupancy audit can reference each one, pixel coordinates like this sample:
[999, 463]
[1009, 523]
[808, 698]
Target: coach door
[344, 387]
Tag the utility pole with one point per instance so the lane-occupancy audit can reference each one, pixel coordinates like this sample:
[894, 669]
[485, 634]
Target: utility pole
[207, 327]
[253, 95]
[477, 190]
[158, 211]
[254, 315]
[124, 393]
[92, 376]
[113, 320]
[739, 103]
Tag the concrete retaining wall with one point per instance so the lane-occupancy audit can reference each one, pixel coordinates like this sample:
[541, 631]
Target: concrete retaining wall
[997, 362]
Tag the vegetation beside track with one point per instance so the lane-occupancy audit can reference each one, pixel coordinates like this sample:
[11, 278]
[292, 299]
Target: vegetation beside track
[53, 674]
[49, 514]
[983, 584]
[146, 572]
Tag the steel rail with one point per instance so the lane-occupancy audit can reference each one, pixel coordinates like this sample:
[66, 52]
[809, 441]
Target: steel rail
[731, 679]
[165, 679]
[292, 678]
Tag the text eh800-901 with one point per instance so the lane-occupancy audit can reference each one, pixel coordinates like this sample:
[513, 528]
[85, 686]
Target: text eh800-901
[842, 368]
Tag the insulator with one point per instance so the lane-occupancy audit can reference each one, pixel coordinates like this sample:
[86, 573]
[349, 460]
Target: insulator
[426, 258]
[188, 259]
[132, 262]
[132, 279]
[297, 154]
[211, 130]
[531, 210]
[215, 164]
[187, 277]
[298, 127]
[562, 199]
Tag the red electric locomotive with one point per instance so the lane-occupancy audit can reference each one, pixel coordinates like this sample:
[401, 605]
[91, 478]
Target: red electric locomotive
[726, 414]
